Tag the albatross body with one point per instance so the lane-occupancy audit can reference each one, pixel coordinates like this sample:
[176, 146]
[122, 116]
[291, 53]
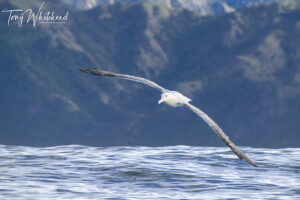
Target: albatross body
[174, 99]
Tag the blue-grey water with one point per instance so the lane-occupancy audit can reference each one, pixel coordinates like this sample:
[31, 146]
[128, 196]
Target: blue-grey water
[175, 172]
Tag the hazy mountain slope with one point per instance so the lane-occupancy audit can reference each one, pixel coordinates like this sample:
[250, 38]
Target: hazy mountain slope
[240, 68]
[203, 7]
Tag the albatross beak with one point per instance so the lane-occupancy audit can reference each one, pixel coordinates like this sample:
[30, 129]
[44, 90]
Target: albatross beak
[161, 100]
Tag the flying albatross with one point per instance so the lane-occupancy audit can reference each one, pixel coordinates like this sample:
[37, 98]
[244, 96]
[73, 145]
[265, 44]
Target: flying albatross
[174, 99]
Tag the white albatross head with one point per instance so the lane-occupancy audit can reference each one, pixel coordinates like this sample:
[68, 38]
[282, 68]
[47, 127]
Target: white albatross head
[174, 99]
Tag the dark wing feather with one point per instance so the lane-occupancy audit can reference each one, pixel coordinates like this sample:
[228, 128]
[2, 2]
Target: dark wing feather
[99, 72]
[220, 133]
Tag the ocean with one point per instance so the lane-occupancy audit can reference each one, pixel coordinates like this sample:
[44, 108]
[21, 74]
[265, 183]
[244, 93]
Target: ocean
[171, 172]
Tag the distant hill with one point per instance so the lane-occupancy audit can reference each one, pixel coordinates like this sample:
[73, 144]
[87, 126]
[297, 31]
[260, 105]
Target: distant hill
[241, 68]
[202, 7]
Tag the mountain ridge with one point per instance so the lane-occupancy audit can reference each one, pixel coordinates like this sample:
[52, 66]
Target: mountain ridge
[240, 68]
[211, 7]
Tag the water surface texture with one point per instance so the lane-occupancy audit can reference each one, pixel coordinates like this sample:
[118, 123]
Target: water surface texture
[175, 172]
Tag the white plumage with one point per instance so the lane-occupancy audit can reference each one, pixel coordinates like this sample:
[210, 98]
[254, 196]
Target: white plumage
[174, 99]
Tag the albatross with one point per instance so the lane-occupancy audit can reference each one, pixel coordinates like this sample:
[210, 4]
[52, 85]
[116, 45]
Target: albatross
[174, 99]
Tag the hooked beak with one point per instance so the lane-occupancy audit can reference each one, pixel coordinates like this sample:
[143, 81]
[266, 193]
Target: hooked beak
[161, 100]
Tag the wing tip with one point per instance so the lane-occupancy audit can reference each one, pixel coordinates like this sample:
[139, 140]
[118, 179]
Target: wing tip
[85, 70]
[94, 71]
[251, 163]
[240, 154]
[98, 72]
[245, 158]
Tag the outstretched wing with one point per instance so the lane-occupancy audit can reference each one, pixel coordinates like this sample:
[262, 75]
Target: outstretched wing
[220, 133]
[99, 72]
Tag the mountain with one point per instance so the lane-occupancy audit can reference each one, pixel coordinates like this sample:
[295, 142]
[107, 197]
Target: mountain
[203, 7]
[241, 68]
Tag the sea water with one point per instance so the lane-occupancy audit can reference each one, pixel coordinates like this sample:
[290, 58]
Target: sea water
[172, 172]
